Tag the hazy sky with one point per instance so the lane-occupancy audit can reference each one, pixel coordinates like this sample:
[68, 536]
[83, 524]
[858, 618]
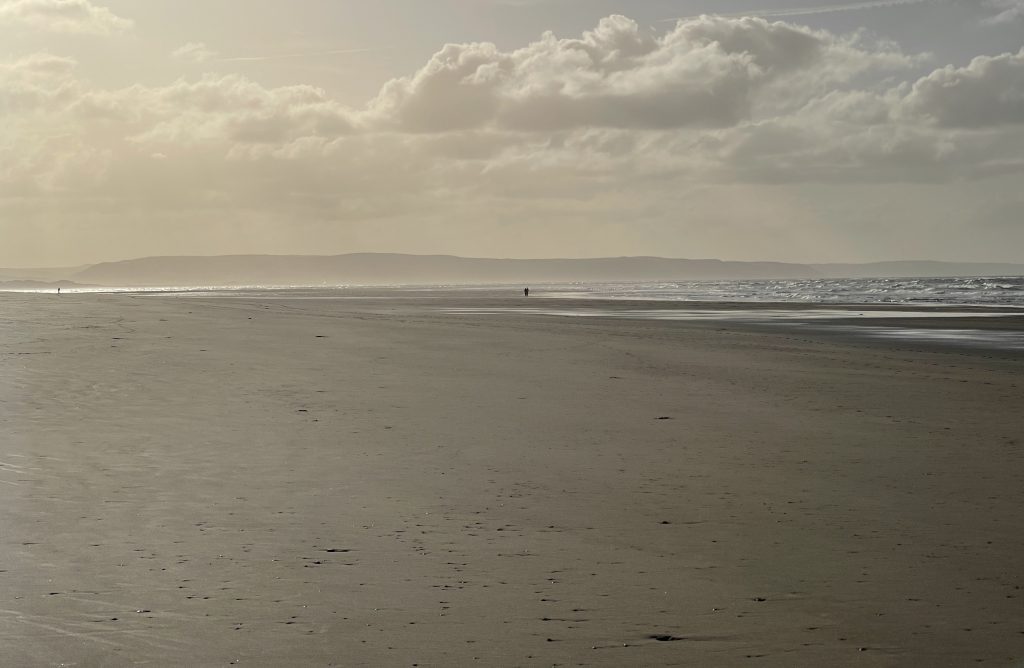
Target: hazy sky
[808, 130]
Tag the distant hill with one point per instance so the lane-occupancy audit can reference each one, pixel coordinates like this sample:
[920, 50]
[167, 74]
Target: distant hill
[392, 269]
[384, 269]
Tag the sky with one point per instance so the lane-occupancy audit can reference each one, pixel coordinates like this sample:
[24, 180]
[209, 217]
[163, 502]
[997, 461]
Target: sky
[786, 130]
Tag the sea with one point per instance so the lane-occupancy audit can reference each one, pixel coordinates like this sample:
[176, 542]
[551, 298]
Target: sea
[1007, 291]
[863, 308]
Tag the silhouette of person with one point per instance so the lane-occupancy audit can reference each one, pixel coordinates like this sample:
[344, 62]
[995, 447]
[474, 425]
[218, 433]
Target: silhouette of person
[58, 291]
[526, 292]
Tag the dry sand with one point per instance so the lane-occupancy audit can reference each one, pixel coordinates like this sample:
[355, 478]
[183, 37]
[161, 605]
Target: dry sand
[200, 481]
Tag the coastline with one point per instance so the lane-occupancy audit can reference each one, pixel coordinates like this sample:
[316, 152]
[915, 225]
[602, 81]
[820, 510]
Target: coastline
[379, 480]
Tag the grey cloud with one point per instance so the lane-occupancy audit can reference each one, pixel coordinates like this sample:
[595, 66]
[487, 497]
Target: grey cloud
[1007, 11]
[956, 123]
[987, 92]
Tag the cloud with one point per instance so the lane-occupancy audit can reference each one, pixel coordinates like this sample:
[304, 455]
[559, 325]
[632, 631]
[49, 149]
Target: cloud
[227, 111]
[37, 83]
[577, 128]
[988, 92]
[707, 72]
[194, 52]
[70, 16]
[1007, 11]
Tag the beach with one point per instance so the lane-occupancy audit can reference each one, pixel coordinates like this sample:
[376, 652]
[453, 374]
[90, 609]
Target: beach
[382, 480]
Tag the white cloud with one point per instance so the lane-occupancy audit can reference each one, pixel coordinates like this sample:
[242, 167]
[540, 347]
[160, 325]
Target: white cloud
[580, 129]
[1007, 11]
[988, 92]
[38, 82]
[73, 16]
[708, 72]
[228, 111]
[194, 52]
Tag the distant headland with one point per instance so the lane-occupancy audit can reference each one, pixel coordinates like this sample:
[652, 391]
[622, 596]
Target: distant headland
[399, 269]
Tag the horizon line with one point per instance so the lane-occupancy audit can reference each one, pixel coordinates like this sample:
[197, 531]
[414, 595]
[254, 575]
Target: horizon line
[86, 265]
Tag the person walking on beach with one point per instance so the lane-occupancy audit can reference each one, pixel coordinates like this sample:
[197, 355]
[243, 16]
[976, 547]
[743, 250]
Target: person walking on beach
[526, 292]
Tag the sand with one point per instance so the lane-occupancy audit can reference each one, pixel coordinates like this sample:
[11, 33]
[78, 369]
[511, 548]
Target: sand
[376, 482]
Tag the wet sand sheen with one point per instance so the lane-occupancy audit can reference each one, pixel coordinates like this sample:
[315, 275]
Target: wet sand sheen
[200, 481]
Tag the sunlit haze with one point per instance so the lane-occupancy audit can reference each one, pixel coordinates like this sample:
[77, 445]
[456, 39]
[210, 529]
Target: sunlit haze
[512, 333]
[783, 130]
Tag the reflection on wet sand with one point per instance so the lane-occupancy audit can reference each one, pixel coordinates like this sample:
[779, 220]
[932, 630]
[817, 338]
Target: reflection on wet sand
[941, 325]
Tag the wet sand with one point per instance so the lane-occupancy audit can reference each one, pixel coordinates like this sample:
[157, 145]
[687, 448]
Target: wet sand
[376, 482]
